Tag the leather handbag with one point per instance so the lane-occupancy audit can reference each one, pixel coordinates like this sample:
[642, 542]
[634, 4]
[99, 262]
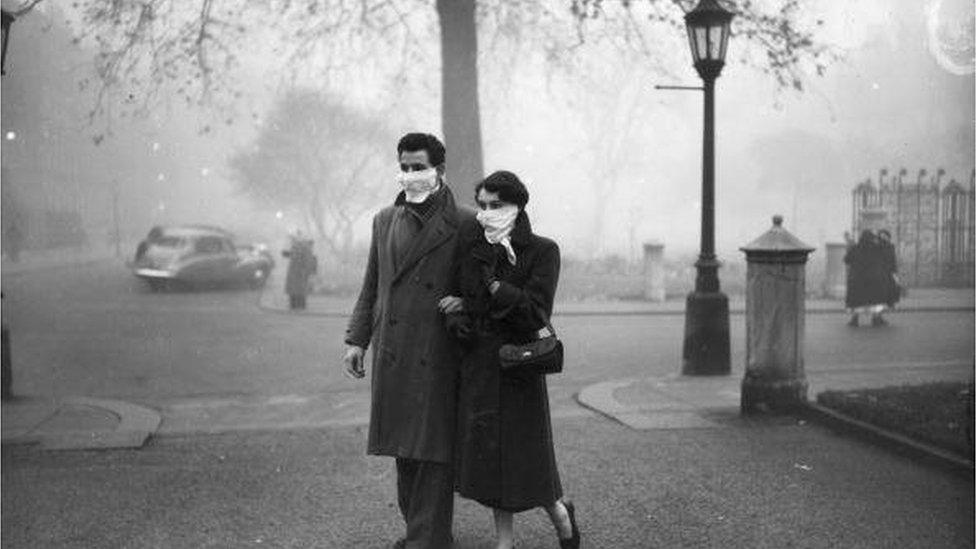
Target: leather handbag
[543, 355]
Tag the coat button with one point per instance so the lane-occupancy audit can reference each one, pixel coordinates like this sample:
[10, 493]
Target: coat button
[429, 286]
[393, 322]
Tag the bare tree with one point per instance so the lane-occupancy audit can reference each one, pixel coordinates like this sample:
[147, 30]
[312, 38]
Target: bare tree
[148, 45]
[318, 156]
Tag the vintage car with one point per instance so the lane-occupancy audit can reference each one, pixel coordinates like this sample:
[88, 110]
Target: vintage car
[199, 256]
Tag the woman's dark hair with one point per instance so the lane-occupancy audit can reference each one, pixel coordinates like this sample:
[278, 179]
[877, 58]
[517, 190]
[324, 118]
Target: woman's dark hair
[508, 187]
[413, 142]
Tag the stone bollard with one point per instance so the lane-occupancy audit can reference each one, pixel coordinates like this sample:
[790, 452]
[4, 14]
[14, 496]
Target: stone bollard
[775, 307]
[835, 281]
[654, 271]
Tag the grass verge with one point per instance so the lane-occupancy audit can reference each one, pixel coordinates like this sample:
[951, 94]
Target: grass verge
[939, 414]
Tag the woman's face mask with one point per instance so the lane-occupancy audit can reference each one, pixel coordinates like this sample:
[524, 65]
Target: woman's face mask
[418, 185]
[498, 222]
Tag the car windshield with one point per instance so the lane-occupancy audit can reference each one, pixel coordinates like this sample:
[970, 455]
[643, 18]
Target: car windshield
[169, 242]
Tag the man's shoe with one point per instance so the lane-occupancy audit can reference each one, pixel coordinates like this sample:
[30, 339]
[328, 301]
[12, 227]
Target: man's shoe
[878, 320]
[853, 322]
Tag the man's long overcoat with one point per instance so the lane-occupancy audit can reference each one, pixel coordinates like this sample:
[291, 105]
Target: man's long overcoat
[415, 361]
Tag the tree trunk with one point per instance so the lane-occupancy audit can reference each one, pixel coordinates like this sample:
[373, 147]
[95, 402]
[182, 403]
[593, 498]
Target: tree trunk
[460, 114]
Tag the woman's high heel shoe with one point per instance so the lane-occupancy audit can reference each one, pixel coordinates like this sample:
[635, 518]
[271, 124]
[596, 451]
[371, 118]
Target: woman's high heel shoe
[574, 541]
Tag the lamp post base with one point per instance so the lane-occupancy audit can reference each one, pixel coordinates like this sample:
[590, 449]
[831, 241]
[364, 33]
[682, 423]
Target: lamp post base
[706, 345]
[763, 395]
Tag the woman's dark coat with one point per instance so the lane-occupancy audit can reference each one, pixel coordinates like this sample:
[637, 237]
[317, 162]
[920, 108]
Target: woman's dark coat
[889, 262]
[504, 456]
[302, 264]
[868, 277]
[415, 361]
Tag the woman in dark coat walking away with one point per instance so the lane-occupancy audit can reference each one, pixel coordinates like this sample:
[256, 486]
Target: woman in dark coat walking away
[867, 279]
[301, 265]
[506, 282]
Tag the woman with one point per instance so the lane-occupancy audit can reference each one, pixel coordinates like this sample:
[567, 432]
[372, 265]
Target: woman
[506, 281]
[867, 279]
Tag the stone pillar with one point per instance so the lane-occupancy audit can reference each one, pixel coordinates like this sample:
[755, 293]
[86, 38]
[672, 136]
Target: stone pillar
[775, 308]
[654, 271]
[835, 281]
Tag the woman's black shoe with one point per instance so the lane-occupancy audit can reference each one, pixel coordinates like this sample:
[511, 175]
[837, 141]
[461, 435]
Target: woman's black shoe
[574, 541]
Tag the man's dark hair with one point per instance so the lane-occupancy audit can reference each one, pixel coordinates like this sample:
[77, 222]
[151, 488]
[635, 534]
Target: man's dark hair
[413, 142]
[508, 187]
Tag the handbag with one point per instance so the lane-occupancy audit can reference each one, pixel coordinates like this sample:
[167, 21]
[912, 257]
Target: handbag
[543, 355]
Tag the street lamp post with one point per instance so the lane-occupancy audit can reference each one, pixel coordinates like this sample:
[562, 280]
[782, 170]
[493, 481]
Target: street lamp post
[6, 367]
[6, 19]
[706, 342]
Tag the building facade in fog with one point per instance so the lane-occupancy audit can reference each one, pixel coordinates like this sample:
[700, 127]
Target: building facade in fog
[931, 224]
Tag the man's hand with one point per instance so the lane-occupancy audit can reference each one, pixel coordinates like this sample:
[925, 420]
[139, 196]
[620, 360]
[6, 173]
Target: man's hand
[353, 362]
[450, 305]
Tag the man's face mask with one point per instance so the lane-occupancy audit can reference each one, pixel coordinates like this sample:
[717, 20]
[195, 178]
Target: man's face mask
[418, 185]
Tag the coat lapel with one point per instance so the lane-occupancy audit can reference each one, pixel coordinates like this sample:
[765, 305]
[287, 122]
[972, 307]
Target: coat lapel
[438, 229]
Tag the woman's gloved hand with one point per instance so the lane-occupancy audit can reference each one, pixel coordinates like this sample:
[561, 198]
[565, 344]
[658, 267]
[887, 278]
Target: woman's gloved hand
[486, 256]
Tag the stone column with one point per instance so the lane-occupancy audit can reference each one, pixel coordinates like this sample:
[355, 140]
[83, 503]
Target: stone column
[775, 380]
[654, 271]
[835, 281]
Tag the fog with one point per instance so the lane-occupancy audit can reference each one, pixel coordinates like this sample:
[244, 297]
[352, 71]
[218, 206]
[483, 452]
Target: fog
[610, 161]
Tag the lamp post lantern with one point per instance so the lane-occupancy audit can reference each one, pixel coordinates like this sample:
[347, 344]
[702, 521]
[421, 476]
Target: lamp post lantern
[706, 341]
[6, 19]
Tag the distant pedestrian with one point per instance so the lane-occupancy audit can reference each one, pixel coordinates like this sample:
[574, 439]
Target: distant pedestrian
[889, 263]
[415, 361]
[302, 264]
[868, 290]
[507, 281]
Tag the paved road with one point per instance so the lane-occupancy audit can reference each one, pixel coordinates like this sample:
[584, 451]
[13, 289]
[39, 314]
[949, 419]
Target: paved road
[214, 361]
[749, 484]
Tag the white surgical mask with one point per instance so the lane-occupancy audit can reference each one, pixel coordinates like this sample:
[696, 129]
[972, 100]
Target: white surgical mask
[417, 186]
[498, 225]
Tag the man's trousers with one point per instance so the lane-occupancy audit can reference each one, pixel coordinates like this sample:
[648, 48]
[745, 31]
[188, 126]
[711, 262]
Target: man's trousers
[425, 490]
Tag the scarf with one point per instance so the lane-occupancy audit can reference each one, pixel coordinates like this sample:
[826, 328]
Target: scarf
[498, 225]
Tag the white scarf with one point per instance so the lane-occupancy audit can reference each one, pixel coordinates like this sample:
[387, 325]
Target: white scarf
[498, 224]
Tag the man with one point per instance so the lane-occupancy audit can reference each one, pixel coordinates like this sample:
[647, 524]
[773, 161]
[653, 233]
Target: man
[410, 268]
